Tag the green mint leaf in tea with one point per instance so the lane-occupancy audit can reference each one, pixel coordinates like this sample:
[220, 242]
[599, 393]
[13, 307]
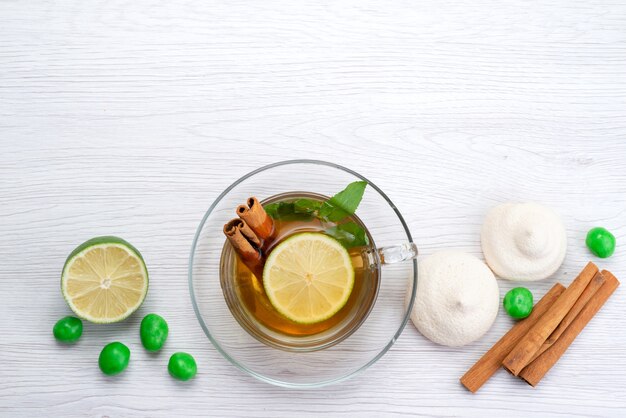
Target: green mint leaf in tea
[349, 235]
[344, 203]
[287, 211]
[272, 209]
[306, 206]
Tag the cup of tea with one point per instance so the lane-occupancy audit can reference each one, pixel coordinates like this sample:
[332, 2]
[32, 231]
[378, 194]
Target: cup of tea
[241, 318]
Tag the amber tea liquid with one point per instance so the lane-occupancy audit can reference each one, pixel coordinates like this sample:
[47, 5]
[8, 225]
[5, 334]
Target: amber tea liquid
[254, 303]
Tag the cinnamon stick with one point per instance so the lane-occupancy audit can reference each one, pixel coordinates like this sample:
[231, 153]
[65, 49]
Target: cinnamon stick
[253, 214]
[590, 290]
[247, 232]
[237, 233]
[491, 361]
[535, 371]
[523, 352]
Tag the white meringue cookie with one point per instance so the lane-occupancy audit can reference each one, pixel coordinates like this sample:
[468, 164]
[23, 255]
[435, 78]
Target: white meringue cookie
[523, 241]
[457, 298]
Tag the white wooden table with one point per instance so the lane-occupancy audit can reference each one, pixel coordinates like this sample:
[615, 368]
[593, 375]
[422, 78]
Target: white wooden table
[130, 117]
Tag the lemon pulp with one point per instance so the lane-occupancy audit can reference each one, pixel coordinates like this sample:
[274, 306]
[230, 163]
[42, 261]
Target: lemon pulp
[104, 280]
[308, 277]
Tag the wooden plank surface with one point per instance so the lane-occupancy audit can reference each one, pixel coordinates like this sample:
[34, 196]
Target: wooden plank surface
[129, 118]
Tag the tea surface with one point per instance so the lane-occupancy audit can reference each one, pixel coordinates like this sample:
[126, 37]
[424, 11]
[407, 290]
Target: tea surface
[252, 297]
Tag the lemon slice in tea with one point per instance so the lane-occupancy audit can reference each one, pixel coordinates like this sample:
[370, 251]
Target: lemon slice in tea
[104, 280]
[308, 277]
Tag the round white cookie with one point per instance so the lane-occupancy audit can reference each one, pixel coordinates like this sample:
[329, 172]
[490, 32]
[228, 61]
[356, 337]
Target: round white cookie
[457, 298]
[523, 241]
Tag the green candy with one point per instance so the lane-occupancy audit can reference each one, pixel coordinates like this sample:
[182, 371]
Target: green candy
[600, 242]
[182, 366]
[114, 358]
[68, 329]
[153, 332]
[518, 302]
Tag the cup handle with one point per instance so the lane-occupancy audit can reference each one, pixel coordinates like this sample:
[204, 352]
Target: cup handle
[397, 253]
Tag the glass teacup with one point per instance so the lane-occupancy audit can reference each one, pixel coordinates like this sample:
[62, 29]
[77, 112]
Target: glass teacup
[368, 328]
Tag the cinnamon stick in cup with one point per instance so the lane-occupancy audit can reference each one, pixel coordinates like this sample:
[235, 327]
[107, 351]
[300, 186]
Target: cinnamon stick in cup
[535, 371]
[253, 214]
[491, 361]
[247, 232]
[245, 243]
[251, 234]
[524, 351]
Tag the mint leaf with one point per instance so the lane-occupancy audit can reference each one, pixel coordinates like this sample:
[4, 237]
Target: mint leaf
[286, 211]
[349, 235]
[272, 209]
[344, 203]
[335, 209]
[306, 205]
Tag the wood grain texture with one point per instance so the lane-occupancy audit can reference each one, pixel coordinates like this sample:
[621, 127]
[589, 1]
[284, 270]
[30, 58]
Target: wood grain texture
[129, 118]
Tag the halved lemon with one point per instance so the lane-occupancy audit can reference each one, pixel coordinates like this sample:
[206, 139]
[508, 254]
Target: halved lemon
[104, 280]
[308, 277]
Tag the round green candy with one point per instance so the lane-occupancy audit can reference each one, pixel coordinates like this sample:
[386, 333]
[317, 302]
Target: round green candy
[601, 242]
[182, 366]
[114, 358]
[153, 332]
[518, 302]
[68, 329]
